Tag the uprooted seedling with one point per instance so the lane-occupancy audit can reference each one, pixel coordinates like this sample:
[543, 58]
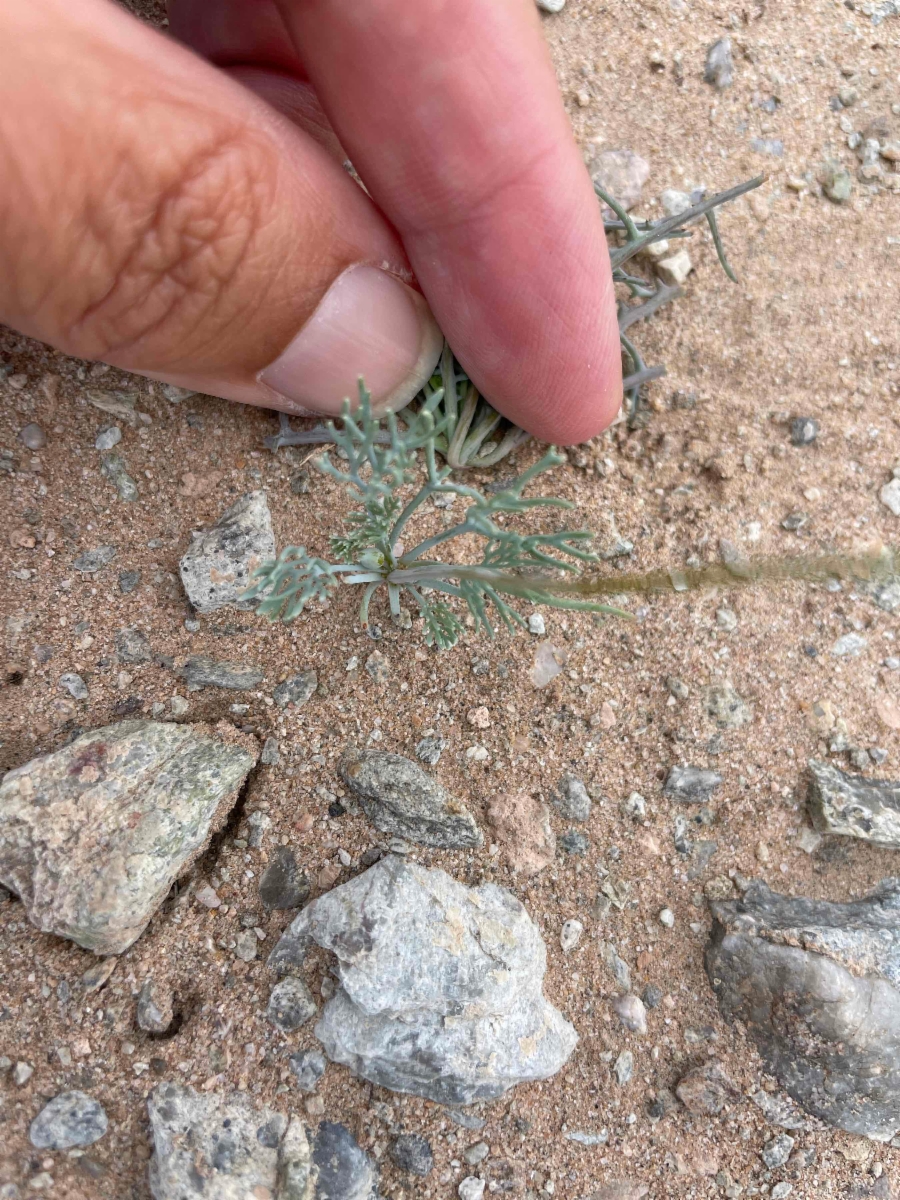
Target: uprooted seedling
[470, 433]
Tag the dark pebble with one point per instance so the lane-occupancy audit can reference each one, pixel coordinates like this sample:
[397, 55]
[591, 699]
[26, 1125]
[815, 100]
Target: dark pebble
[412, 1152]
[128, 581]
[804, 431]
[283, 884]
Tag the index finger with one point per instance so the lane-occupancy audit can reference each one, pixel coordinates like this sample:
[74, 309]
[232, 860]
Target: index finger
[450, 111]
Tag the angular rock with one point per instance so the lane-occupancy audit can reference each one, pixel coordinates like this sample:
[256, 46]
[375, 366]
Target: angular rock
[93, 836]
[216, 568]
[522, 825]
[804, 431]
[573, 800]
[778, 1110]
[70, 1119]
[128, 581]
[399, 797]
[283, 884]
[412, 1152]
[727, 708]
[631, 1012]
[621, 174]
[853, 806]
[440, 985]
[200, 672]
[430, 749]
[92, 561]
[776, 1152]
[74, 685]
[706, 1089]
[691, 784]
[345, 1172]
[719, 70]
[114, 468]
[291, 1004]
[133, 646]
[817, 985]
[221, 1147]
[296, 690]
[154, 1007]
[308, 1067]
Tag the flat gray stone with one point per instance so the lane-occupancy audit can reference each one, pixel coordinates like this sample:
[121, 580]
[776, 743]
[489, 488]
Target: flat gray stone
[344, 1171]
[728, 709]
[200, 672]
[70, 1119]
[93, 836]
[719, 69]
[283, 884]
[573, 800]
[133, 646]
[296, 690]
[692, 784]
[92, 561]
[439, 985]
[308, 1067]
[74, 685]
[217, 567]
[621, 174]
[817, 985]
[221, 1147]
[398, 797]
[853, 806]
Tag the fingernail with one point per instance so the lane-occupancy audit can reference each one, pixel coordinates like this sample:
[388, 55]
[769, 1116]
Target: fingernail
[370, 325]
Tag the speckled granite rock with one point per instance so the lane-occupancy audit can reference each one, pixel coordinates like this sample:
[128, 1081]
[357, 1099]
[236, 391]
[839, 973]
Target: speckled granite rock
[222, 1147]
[216, 568]
[817, 985]
[440, 984]
[93, 836]
[399, 797]
[854, 806]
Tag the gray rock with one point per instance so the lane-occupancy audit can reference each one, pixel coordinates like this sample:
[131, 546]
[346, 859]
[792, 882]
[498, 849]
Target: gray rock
[849, 645]
[853, 806]
[217, 567]
[439, 985]
[817, 985]
[727, 708]
[631, 1012]
[271, 752]
[108, 437]
[246, 946]
[70, 1119]
[296, 690]
[551, 6]
[837, 182]
[574, 843]
[32, 436]
[114, 468]
[93, 836]
[621, 174]
[291, 1004]
[345, 1172]
[74, 685]
[92, 561]
[154, 1007]
[22, 1072]
[778, 1110]
[573, 800]
[886, 596]
[804, 431]
[719, 70]
[411, 1152]
[223, 1148]
[200, 672]
[430, 749]
[399, 798]
[472, 1188]
[772, 147]
[623, 1068]
[776, 1152]
[128, 581]
[308, 1067]
[133, 646]
[283, 884]
[692, 784]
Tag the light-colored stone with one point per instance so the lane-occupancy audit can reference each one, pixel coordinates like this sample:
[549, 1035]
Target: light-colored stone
[440, 986]
[853, 806]
[93, 836]
[522, 825]
[675, 269]
[216, 568]
[68, 1120]
[890, 496]
[621, 174]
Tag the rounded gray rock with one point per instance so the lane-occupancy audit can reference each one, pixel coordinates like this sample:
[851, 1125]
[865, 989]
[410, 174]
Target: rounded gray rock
[70, 1119]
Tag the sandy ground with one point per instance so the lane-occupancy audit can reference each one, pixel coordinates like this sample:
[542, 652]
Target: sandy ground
[811, 329]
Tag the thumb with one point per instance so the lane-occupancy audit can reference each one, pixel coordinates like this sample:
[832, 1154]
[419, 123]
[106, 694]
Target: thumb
[157, 215]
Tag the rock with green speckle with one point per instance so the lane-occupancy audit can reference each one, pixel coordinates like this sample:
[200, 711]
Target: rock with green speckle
[93, 836]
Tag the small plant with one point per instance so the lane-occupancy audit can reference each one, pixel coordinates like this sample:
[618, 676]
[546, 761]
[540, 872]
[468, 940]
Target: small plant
[469, 432]
[380, 459]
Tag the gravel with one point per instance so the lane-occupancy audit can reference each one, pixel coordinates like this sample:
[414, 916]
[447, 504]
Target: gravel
[631, 1012]
[108, 437]
[154, 1007]
[411, 1152]
[296, 690]
[308, 1067]
[291, 1004]
[92, 561]
[572, 799]
[804, 431]
[74, 685]
[776, 1152]
[32, 436]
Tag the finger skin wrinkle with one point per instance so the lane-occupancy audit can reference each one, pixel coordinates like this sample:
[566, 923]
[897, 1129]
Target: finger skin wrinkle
[171, 247]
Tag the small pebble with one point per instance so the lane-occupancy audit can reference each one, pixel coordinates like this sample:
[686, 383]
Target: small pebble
[536, 625]
[70, 1119]
[33, 437]
[246, 946]
[570, 935]
[667, 918]
[308, 1067]
[108, 437]
[551, 6]
[719, 69]
[411, 1152]
[477, 1153]
[776, 1152]
[291, 1003]
[128, 581]
[472, 1188]
[849, 645]
[74, 685]
[804, 431]
[653, 996]
[178, 705]
[429, 750]
[631, 1012]
[22, 1072]
[624, 1067]
[271, 753]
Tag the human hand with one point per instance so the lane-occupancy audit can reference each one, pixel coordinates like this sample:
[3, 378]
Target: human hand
[189, 218]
